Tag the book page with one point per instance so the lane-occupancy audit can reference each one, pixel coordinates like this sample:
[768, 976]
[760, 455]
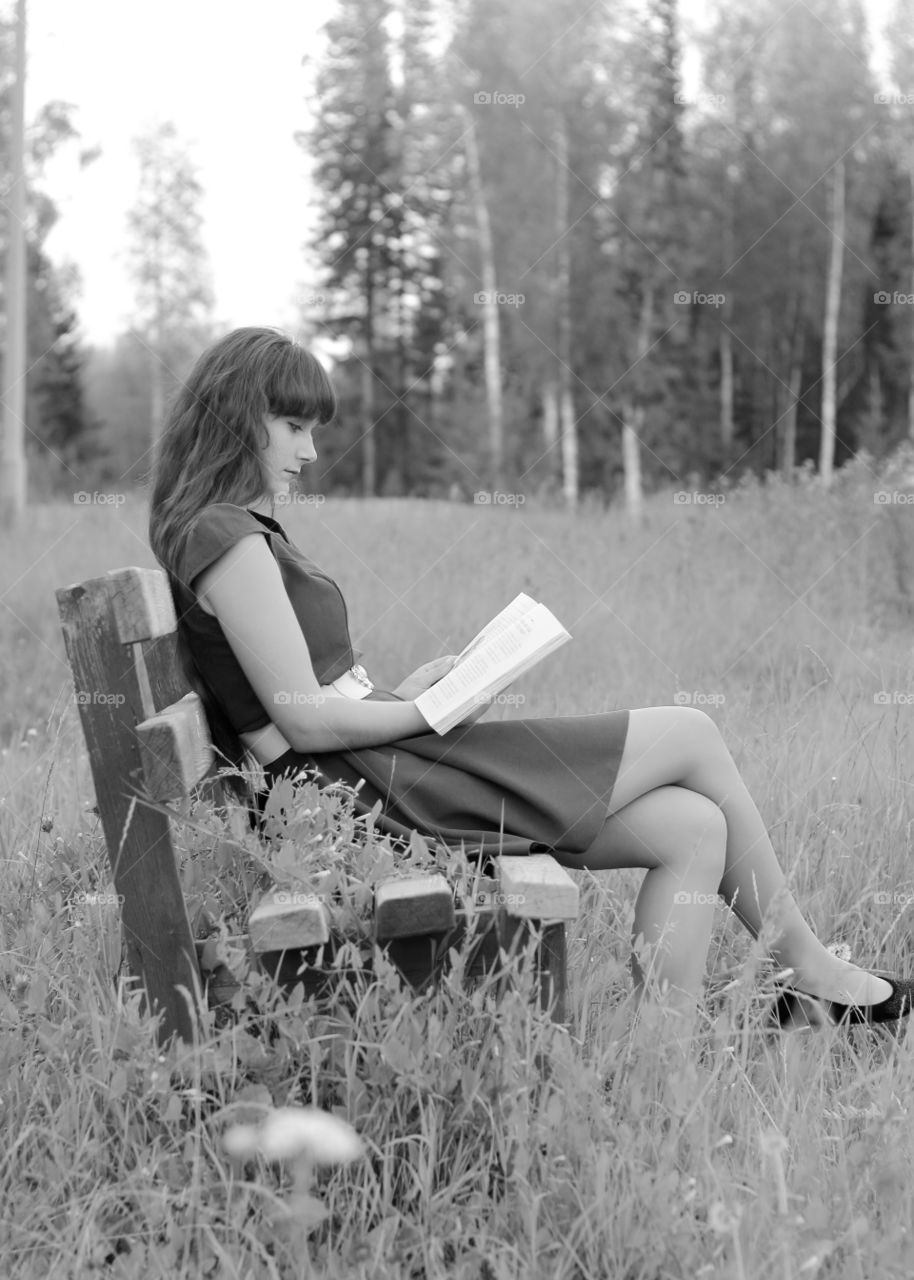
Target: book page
[520, 605]
[492, 665]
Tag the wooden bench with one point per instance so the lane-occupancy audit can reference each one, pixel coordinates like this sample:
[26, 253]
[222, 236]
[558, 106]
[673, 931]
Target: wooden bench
[148, 740]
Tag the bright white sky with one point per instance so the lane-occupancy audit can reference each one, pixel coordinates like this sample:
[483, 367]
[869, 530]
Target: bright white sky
[228, 72]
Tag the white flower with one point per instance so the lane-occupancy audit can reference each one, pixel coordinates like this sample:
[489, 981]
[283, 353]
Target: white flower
[296, 1131]
[241, 1140]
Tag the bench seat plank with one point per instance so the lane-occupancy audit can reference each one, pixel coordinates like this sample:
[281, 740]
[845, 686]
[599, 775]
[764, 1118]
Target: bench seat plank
[413, 905]
[536, 888]
[285, 918]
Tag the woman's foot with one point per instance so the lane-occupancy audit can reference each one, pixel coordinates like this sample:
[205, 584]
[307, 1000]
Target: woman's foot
[862, 998]
[841, 982]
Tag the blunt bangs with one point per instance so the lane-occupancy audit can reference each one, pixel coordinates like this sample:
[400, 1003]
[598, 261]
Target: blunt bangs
[298, 387]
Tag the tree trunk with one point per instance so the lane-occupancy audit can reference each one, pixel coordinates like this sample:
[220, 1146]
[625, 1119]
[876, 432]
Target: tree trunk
[830, 329]
[726, 391]
[369, 460]
[876, 411]
[550, 416]
[726, 313]
[409, 463]
[789, 450]
[631, 461]
[911, 360]
[633, 425]
[569, 438]
[489, 304]
[12, 470]
[567, 424]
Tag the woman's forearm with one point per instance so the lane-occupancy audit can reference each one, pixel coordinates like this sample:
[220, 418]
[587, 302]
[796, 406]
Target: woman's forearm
[336, 723]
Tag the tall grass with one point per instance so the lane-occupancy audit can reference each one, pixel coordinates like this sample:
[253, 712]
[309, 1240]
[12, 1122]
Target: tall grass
[497, 1145]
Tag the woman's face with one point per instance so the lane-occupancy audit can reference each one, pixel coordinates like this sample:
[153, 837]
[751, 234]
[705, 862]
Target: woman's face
[290, 448]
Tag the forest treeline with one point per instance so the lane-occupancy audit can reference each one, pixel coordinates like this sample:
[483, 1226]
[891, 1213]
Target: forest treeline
[547, 262]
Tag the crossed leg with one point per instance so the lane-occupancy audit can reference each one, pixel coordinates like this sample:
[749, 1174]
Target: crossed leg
[680, 808]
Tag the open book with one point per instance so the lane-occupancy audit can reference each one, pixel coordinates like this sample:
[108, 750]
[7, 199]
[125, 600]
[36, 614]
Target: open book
[515, 640]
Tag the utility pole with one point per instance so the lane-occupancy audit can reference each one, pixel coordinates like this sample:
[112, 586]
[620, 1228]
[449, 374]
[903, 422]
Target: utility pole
[12, 460]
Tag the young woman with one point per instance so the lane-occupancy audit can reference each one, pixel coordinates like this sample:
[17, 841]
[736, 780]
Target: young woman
[267, 642]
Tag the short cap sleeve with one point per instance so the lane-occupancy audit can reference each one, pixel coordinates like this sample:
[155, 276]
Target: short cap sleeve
[213, 531]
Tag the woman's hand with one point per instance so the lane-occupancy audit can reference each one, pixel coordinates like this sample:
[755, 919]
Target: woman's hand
[424, 677]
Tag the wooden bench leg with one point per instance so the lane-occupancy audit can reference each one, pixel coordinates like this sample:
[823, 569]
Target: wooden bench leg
[550, 969]
[536, 891]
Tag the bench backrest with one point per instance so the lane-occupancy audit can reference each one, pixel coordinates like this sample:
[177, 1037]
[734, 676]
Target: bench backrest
[143, 723]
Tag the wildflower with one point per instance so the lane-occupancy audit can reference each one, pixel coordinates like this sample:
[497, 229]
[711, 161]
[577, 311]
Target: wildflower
[296, 1131]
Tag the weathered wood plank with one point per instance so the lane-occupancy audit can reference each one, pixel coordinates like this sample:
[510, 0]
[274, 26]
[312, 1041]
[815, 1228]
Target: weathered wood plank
[286, 918]
[160, 946]
[175, 748]
[536, 888]
[141, 604]
[413, 905]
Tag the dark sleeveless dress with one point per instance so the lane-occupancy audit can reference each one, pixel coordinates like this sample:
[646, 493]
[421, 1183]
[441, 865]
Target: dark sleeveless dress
[510, 786]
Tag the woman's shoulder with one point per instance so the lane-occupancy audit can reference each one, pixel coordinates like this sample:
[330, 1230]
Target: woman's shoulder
[211, 532]
[224, 513]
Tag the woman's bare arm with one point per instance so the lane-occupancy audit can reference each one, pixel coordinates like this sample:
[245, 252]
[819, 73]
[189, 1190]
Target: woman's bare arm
[245, 590]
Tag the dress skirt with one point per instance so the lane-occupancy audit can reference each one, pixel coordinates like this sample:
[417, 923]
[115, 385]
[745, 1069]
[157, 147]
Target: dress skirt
[511, 786]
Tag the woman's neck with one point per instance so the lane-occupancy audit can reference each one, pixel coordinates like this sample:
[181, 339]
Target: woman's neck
[265, 507]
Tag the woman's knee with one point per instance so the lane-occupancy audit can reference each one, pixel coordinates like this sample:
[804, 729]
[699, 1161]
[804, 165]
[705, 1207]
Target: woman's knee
[700, 832]
[669, 826]
[664, 746]
[695, 726]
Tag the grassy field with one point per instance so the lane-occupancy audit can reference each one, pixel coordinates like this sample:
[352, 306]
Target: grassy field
[495, 1144]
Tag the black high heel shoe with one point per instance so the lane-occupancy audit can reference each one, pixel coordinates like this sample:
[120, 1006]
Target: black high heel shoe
[894, 1007]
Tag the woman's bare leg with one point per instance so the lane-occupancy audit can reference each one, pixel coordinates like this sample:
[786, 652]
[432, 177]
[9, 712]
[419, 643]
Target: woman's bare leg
[681, 837]
[682, 747]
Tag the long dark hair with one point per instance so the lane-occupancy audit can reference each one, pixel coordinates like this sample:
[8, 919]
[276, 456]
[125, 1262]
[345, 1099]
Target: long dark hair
[210, 451]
